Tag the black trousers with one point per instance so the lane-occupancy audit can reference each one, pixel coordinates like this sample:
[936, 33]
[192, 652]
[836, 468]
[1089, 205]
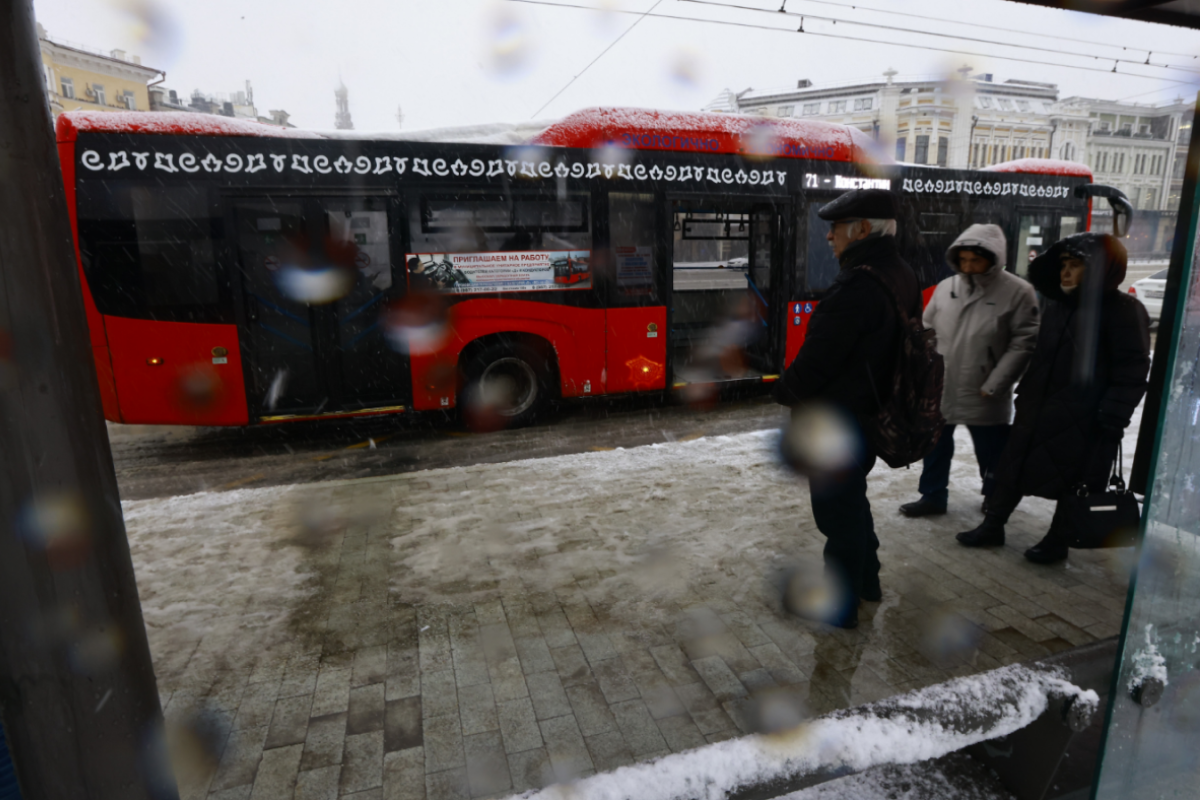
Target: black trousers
[989, 443]
[843, 514]
[1060, 525]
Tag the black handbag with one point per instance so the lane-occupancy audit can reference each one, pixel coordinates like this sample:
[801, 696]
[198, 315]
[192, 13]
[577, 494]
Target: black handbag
[1103, 519]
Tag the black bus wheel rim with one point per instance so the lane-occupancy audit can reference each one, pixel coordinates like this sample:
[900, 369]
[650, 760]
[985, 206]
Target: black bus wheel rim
[509, 385]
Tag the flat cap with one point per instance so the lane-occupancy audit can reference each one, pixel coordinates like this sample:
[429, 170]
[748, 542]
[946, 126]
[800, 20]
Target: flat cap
[860, 204]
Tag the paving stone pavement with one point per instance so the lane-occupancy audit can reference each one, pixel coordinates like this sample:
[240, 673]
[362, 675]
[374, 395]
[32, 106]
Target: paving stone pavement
[528, 683]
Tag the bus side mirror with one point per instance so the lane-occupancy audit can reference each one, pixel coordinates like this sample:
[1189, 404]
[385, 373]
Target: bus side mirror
[1121, 207]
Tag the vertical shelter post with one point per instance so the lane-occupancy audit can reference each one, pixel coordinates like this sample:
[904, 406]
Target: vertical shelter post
[77, 690]
[1182, 252]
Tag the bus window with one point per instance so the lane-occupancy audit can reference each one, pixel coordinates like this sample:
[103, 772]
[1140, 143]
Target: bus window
[1033, 239]
[148, 252]
[1069, 226]
[821, 266]
[492, 243]
[761, 249]
[631, 234]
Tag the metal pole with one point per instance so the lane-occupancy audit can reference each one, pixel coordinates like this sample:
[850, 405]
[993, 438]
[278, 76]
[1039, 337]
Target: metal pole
[1182, 253]
[77, 691]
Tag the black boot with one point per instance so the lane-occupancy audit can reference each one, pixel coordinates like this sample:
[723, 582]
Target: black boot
[923, 508]
[1047, 552]
[849, 620]
[872, 592]
[990, 533]
[1053, 546]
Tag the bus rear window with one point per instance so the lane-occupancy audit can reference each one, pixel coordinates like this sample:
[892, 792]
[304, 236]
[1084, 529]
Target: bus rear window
[149, 251]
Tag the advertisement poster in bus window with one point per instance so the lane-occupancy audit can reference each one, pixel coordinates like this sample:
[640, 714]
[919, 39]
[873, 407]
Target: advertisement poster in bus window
[634, 267]
[525, 271]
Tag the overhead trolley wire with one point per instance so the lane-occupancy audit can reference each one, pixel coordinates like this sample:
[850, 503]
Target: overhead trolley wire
[940, 35]
[597, 58]
[777, 29]
[1054, 36]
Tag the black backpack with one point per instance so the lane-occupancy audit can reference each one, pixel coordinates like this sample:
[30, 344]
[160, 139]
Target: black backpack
[910, 420]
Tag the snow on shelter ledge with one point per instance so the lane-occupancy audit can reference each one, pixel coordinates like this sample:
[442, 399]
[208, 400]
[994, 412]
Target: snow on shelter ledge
[905, 729]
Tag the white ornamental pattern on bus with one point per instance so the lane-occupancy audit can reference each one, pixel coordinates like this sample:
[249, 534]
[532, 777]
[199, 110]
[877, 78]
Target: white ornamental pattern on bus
[426, 167]
[984, 188]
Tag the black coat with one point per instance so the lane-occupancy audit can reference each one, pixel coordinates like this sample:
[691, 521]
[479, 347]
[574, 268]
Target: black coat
[849, 353]
[1086, 378]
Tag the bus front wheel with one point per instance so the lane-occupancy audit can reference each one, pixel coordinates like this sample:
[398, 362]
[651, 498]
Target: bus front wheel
[507, 386]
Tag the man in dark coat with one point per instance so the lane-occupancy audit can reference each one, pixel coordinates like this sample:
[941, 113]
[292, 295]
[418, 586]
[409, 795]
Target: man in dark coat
[847, 361]
[1087, 376]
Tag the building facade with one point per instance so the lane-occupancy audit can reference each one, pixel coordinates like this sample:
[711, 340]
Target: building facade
[1133, 147]
[82, 79]
[973, 121]
[239, 104]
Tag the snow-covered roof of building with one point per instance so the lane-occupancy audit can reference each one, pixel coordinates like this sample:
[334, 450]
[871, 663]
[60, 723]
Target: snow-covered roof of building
[169, 122]
[1043, 166]
[726, 102]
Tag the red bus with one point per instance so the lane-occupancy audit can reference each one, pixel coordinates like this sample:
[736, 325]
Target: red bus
[236, 274]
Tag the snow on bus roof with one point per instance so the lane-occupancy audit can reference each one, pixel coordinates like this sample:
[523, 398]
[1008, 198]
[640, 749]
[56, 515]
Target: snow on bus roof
[1043, 166]
[695, 131]
[500, 133]
[72, 123]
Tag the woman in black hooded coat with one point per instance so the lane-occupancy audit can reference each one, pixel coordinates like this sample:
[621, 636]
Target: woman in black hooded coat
[1087, 375]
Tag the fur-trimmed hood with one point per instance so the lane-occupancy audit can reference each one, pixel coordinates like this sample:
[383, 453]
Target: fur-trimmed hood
[1103, 253]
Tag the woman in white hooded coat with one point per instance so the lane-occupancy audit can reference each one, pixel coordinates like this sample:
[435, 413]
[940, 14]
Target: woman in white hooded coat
[986, 321]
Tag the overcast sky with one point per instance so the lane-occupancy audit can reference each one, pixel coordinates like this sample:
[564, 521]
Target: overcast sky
[458, 62]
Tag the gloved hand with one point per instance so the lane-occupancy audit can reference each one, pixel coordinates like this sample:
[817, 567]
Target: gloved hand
[1109, 433]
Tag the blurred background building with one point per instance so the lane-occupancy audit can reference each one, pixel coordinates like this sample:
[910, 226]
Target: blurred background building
[974, 121]
[84, 78]
[239, 104]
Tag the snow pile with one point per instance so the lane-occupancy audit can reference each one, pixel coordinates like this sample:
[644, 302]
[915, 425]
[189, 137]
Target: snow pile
[169, 122]
[1148, 662]
[1043, 166]
[915, 727]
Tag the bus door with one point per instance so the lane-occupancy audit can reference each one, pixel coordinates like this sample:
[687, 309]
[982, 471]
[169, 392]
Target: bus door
[726, 267]
[767, 281]
[815, 270]
[635, 342]
[316, 279]
[1037, 229]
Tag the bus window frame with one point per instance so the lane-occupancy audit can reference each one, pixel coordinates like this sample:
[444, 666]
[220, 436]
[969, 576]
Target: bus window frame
[799, 288]
[413, 193]
[782, 247]
[510, 197]
[602, 235]
[1013, 231]
[224, 310]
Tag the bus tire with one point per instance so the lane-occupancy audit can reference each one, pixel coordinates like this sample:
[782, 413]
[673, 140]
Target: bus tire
[507, 385]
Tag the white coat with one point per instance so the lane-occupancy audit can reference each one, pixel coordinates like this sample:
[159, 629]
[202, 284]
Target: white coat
[986, 328]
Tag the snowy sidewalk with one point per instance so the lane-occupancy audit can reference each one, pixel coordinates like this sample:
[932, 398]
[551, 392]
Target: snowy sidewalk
[485, 630]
